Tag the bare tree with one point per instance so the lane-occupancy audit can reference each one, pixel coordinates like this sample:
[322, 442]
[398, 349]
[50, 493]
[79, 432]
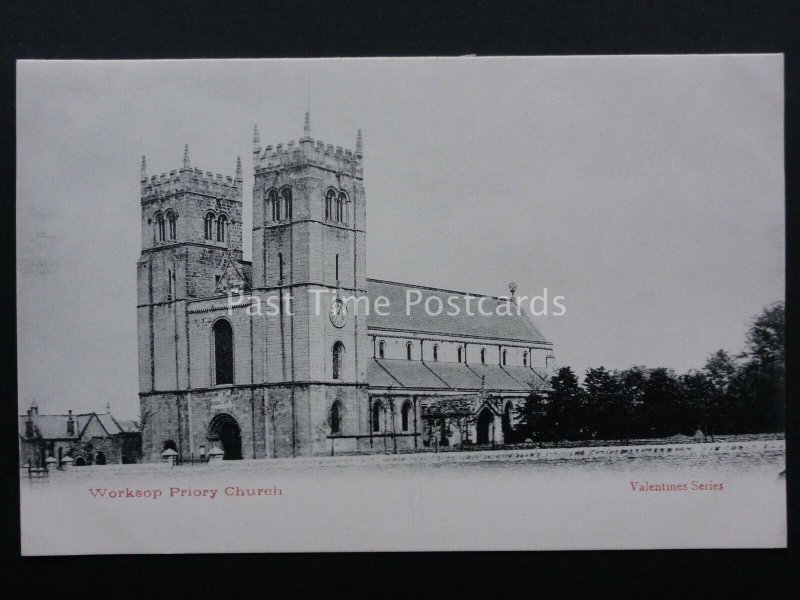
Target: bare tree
[273, 411]
[144, 418]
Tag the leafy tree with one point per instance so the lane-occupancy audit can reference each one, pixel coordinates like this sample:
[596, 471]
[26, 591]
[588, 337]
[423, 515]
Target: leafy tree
[529, 415]
[716, 412]
[565, 412]
[664, 411]
[729, 394]
[697, 389]
[720, 369]
[766, 338]
[761, 382]
[632, 387]
[606, 406]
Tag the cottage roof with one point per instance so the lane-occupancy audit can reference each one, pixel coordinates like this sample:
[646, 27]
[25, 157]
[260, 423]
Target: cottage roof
[52, 427]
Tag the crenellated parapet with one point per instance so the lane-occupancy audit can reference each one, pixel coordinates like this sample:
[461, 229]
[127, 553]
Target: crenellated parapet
[307, 151]
[189, 180]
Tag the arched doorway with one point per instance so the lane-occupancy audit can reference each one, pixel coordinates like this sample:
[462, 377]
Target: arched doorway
[485, 420]
[225, 430]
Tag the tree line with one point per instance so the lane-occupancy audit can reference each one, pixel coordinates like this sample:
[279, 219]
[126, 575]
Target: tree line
[731, 394]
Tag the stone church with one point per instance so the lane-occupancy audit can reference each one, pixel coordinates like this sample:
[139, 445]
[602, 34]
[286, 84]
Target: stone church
[302, 382]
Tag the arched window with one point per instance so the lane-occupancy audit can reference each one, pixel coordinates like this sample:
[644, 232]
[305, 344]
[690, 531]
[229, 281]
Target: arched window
[405, 413]
[505, 356]
[221, 226]
[223, 352]
[275, 205]
[459, 353]
[408, 350]
[377, 415]
[381, 348]
[341, 207]
[436, 352]
[337, 267]
[336, 417]
[287, 202]
[209, 223]
[280, 266]
[483, 356]
[330, 198]
[170, 284]
[170, 216]
[160, 230]
[524, 359]
[338, 356]
[506, 422]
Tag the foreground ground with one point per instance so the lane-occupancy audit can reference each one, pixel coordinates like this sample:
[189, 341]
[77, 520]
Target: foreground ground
[724, 498]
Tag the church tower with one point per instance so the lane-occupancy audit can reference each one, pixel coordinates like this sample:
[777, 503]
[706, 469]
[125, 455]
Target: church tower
[191, 224]
[309, 243]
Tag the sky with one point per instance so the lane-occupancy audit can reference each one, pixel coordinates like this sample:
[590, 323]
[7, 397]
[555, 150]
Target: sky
[648, 191]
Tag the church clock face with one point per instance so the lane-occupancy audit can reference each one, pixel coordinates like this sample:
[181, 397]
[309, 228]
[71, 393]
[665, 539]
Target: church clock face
[338, 313]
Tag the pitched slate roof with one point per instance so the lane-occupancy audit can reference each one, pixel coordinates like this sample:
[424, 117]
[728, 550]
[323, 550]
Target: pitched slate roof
[109, 423]
[128, 426]
[516, 327]
[456, 375]
[408, 373]
[415, 374]
[51, 427]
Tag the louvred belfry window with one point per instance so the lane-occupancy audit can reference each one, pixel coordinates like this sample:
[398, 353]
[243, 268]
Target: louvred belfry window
[340, 207]
[171, 221]
[160, 230]
[209, 229]
[275, 205]
[287, 202]
[222, 222]
[330, 197]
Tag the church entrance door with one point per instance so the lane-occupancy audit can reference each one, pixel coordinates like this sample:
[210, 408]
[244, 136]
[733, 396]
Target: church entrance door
[485, 420]
[225, 430]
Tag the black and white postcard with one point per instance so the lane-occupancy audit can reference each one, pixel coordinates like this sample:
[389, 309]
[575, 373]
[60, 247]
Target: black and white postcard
[528, 303]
